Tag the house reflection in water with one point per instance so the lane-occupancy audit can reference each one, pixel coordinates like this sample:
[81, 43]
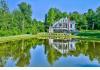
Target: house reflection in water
[63, 46]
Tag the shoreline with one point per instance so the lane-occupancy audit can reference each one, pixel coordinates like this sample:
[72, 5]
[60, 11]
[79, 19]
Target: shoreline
[46, 36]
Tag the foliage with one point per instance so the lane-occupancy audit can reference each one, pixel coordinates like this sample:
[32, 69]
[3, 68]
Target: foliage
[52, 16]
[19, 21]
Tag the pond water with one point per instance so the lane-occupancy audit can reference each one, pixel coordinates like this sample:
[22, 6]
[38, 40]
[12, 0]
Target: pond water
[50, 53]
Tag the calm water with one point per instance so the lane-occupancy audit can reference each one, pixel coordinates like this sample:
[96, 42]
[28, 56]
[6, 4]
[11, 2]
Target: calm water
[51, 52]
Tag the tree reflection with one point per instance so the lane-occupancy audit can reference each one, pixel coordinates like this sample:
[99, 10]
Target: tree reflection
[19, 51]
[57, 48]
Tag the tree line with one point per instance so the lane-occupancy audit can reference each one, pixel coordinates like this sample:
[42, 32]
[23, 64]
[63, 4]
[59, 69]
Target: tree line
[85, 21]
[19, 21]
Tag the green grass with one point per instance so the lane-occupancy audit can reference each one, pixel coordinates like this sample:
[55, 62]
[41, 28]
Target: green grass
[17, 37]
[38, 36]
[84, 35]
[88, 33]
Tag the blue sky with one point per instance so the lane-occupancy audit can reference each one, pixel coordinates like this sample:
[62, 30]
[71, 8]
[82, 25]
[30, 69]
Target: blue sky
[40, 7]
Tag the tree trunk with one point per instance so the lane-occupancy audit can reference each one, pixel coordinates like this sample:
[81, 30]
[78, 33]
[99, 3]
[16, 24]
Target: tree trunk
[93, 26]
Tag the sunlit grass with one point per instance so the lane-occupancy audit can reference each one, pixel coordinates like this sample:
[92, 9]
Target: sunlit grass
[14, 38]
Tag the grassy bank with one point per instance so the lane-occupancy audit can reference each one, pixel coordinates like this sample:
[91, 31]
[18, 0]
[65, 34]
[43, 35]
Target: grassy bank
[83, 35]
[17, 37]
[38, 36]
[90, 33]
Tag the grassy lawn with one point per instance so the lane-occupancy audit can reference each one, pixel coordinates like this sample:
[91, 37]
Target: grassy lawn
[14, 38]
[90, 33]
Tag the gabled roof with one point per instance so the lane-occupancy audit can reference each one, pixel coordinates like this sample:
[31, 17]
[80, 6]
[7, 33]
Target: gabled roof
[61, 20]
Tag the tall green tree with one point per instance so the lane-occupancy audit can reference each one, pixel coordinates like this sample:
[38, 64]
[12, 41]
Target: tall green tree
[26, 10]
[83, 24]
[90, 18]
[97, 18]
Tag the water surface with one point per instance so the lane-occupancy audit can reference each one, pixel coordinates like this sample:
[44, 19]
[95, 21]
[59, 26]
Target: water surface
[50, 53]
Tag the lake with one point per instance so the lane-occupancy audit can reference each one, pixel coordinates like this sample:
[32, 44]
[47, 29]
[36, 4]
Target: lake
[50, 53]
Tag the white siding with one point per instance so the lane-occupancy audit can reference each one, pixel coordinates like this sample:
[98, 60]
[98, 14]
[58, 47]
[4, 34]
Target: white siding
[63, 22]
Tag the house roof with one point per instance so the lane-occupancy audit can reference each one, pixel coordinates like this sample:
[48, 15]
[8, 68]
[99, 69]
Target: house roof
[63, 20]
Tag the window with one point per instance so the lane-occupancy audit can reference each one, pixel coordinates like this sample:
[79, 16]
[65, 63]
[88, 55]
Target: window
[63, 20]
[64, 25]
[70, 25]
[60, 24]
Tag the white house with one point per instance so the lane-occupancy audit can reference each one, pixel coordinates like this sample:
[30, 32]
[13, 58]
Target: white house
[63, 25]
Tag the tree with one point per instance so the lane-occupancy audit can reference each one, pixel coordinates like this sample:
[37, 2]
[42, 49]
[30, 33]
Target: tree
[27, 13]
[17, 21]
[83, 22]
[4, 18]
[64, 14]
[75, 16]
[97, 18]
[25, 9]
[38, 26]
[90, 18]
[45, 23]
[54, 15]
[51, 16]
[4, 6]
